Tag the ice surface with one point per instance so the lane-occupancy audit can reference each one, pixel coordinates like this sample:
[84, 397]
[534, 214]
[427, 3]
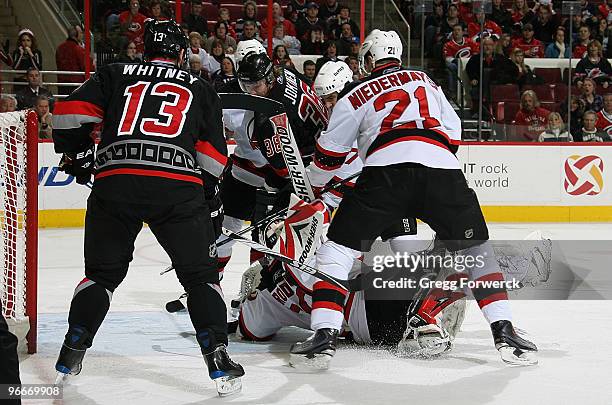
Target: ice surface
[143, 355]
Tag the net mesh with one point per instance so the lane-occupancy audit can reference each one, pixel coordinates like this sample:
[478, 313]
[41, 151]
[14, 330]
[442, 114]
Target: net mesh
[13, 152]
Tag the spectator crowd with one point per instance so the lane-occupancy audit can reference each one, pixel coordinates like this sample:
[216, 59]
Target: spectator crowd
[513, 33]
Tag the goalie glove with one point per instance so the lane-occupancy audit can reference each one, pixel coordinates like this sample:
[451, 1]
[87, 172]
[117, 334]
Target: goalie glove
[80, 164]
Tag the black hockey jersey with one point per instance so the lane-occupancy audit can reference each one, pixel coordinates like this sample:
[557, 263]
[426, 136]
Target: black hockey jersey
[162, 125]
[306, 113]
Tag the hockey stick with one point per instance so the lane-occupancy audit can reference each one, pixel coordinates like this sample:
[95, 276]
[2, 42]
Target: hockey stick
[274, 215]
[292, 157]
[286, 259]
[177, 305]
[242, 101]
[282, 129]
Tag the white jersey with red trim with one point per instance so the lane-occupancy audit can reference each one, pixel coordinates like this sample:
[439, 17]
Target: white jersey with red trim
[353, 164]
[289, 303]
[248, 167]
[395, 116]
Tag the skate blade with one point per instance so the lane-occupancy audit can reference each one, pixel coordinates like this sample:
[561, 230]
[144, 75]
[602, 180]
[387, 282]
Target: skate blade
[317, 362]
[228, 385]
[513, 356]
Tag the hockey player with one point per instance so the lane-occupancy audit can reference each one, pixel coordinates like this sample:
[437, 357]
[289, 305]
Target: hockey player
[162, 126]
[248, 165]
[408, 135]
[305, 112]
[283, 297]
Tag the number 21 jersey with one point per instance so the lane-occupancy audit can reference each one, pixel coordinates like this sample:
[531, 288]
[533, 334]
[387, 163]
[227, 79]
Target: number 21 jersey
[396, 116]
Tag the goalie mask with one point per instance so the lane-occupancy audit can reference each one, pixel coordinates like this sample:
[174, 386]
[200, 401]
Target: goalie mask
[255, 74]
[377, 46]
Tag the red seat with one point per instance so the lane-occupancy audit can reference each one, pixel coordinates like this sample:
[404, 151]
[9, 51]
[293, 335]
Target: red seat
[565, 73]
[506, 111]
[551, 106]
[501, 92]
[543, 91]
[241, 2]
[235, 10]
[560, 91]
[209, 11]
[550, 75]
[262, 12]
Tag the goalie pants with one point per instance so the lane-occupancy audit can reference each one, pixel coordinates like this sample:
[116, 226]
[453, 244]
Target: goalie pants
[185, 232]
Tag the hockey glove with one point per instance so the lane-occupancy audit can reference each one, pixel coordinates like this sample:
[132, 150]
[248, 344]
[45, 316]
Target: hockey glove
[80, 165]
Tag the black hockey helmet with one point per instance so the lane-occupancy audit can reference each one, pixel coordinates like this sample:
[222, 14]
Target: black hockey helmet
[253, 69]
[163, 38]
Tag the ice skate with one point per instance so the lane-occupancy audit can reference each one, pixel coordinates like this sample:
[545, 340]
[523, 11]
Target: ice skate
[424, 342]
[316, 352]
[223, 371]
[71, 354]
[513, 349]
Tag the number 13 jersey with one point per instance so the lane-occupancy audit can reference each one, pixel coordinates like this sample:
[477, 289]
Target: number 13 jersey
[396, 116]
[162, 126]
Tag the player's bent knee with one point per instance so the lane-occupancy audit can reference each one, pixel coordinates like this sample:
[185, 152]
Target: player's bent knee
[335, 259]
[109, 278]
[190, 279]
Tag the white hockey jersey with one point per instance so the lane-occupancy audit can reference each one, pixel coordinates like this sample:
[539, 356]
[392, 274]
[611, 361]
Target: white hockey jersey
[250, 160]
[395, 116]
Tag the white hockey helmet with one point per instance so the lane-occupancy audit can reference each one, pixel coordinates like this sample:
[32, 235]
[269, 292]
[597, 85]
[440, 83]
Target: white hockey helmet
[332, 78]
[248, 46]
[380, 45]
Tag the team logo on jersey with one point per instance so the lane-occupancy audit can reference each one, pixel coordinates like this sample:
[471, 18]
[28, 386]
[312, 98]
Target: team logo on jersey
[583, 175]
[469, 233]
[463, 53]
[212, 250]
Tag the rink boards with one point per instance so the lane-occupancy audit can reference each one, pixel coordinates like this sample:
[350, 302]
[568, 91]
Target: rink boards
[514, 182]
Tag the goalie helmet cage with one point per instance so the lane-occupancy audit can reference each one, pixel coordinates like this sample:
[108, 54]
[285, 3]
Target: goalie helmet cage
[19, 223]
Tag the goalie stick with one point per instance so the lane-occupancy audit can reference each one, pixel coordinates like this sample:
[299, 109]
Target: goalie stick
[273, 216]
[179, 304]
[286, 259]
[275, 111]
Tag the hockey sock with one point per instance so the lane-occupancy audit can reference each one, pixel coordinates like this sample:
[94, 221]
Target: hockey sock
[224, 251]
[208, 315]
[327, 299]
[89, 306]
[221, 263]
[487, 276]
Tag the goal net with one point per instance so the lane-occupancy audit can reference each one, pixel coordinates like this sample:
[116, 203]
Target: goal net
[19, 223]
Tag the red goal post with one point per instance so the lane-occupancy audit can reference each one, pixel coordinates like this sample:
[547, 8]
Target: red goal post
[19, 223]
